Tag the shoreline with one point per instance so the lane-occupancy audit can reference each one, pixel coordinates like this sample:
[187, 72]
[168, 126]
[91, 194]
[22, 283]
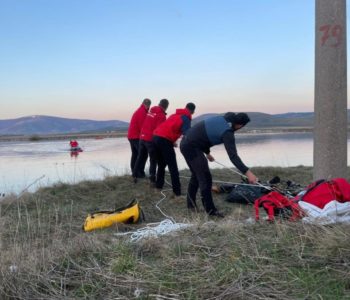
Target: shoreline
[67, 136]
[118, 134]
[218, 172]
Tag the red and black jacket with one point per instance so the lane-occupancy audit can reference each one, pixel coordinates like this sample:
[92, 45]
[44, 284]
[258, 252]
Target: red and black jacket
[175, 126]
[136, 122]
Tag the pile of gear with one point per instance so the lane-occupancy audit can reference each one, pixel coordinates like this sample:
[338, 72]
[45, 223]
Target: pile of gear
[322, 202]
[246, 193]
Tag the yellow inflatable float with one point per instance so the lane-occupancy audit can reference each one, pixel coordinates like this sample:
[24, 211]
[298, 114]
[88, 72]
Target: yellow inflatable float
[103, 219]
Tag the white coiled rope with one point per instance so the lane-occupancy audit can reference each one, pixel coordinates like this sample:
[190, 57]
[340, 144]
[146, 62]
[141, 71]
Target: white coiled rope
[163, 228]
[153, 230]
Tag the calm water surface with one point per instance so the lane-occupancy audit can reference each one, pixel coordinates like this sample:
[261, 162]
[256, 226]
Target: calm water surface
[36, 164]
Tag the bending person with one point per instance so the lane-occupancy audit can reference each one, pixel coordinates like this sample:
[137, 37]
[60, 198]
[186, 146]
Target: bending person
[195, 147]
[165, 137]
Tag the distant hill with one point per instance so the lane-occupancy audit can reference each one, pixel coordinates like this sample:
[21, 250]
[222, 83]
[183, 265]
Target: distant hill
[259, 120]
[263, 120]
[55, 125]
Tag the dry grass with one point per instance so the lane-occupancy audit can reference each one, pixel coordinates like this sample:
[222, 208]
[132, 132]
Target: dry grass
[45, 254]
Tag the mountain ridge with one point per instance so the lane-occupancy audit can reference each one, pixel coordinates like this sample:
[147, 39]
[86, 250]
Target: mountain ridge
[41, 124]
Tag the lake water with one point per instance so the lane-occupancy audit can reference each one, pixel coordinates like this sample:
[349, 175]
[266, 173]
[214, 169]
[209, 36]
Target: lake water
[34, 164]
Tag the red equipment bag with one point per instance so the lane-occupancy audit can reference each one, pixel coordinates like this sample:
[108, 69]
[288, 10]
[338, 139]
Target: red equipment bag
[321, 192]
[278, 205]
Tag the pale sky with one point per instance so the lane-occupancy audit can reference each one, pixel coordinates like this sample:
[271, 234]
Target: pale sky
[99, 59]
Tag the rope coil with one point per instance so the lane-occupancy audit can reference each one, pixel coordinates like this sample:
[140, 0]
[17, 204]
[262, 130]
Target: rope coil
[156, 229]
[163, 228]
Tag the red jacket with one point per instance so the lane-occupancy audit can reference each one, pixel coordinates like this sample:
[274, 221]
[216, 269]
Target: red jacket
[176, 125]
[73, 143]
[155, 116]
[136, 122]
[321, 192]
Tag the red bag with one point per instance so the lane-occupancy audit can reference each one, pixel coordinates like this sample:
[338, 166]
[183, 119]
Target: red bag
[321, 192]
[276, 204]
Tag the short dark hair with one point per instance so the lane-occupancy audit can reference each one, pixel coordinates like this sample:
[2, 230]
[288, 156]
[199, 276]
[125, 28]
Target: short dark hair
[239, 119]
[164, 103]
[191, 107]
[242, 119]
[146, 102]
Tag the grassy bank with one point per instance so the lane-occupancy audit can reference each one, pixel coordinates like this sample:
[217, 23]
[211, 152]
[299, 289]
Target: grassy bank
[46, 255]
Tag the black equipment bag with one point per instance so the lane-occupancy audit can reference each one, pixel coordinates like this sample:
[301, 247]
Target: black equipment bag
[246, 194]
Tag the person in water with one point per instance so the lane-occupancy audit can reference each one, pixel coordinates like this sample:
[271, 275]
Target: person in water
[73, 144]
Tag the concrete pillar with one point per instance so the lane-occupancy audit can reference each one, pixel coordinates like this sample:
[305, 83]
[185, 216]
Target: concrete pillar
[330, 127]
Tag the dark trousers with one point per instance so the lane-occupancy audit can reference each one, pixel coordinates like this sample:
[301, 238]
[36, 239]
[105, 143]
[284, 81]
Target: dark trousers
[146, 148]
[134, 144]
[200, 177]
[165, 156]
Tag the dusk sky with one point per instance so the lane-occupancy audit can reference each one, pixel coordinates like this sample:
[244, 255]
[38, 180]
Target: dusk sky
[99, 59]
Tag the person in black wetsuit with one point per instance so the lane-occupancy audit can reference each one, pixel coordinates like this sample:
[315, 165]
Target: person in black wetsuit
[195, 147]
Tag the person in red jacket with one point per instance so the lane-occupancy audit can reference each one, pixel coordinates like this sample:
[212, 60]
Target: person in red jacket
[165, 137]
[134, 134]
[73, 144]
[155, 117]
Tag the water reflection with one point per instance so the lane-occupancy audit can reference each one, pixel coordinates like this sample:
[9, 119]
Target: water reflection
[22, 163]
